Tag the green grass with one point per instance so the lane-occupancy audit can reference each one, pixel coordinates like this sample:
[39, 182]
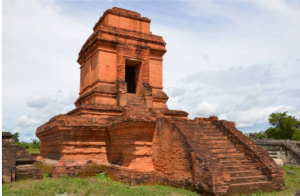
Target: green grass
[97, 185]
[102, 185]
[292, 183]
[32, 150]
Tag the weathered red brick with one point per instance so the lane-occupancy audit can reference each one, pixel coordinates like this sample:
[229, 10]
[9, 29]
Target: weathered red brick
[134, 136]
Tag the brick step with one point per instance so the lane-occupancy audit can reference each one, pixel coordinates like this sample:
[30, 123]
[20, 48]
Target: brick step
[245, 173]
[212, 137]
[135, 99]
[131, 110]
[221, 145]
[239, 167]
[228, 154]
[215, 141]
[239, 180]
[210, 133]
[209, 129]
[137, 104]
[187, 123]
[205, 131]
[250, 187]
[208, 125]
[223, 150]
[233, 158]
[236, 162]
[138, 112]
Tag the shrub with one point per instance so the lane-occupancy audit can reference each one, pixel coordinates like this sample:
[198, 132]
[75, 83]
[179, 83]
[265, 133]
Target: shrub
[36, 143]
[296, 135]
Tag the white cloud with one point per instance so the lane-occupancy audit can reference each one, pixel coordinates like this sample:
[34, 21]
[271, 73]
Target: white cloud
[26, 125]
[4, 127]
[17, 129]
[242, 125]
[258, 114]
[38, 101]
[27, 121]
[40, 49]
[175, 92]
[253, 100]
[207, 109]
[233, 77]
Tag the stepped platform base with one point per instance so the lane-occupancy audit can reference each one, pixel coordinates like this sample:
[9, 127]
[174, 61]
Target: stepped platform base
[205, 155]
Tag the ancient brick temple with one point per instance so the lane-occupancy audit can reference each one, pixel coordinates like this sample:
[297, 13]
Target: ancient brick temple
[17, 163]
[121, 121]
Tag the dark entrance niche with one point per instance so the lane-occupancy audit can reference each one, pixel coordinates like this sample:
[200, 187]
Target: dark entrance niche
[132, 69]
[130, 78]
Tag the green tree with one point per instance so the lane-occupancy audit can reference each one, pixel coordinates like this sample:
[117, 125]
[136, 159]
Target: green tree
[25, 145]
[261, 134]
[15, 137]
[296, 135]
[284, 126]
[36, 143]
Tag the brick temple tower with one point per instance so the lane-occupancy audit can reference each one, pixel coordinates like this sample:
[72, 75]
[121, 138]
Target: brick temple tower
[121, 121]
[122, 56]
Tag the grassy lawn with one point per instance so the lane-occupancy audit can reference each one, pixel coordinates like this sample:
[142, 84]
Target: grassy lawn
[102, 185]
[32, 150]
[292, 183]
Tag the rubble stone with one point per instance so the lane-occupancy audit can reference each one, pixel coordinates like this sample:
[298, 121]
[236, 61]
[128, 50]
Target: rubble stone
[17, 163]
[286, 151]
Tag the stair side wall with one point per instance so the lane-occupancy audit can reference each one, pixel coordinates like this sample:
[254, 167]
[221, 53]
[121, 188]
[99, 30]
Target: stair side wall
[206, 168]
[131, 145]
[169, 155]
[173, 152]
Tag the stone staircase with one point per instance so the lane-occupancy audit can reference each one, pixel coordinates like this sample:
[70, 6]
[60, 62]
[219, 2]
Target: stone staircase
[273, 154]
[135, 100]
[243, 172]
[244, 176]
[136, 106]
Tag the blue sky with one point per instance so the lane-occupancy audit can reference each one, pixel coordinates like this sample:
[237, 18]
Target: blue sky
[239, 60]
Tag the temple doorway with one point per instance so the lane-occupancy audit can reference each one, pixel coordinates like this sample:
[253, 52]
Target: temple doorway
[132, 69]
[130, 79]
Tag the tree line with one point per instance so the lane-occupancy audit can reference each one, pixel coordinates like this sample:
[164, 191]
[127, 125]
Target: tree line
[34, 144]
[283, 126]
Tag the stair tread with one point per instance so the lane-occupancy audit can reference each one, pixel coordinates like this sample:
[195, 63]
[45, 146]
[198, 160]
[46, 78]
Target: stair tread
[259, 176]
[243, 156]
[249, 183]
[222, 148]
[215, 139]
[236, 161]
[233, 172]
[228, 152]
[233, 158]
